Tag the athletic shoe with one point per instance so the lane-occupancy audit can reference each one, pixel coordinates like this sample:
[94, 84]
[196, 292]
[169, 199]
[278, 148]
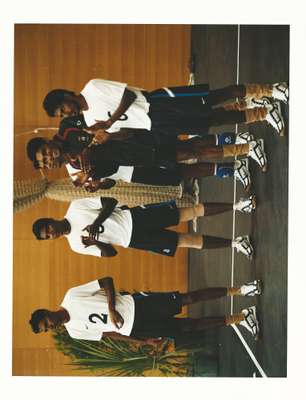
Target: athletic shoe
[257, 153]
[274, 118]
[250, 321]
[244, 137]
[246, 205]
[242, 245]
[242, 173]
[251, 289]
[280, 92]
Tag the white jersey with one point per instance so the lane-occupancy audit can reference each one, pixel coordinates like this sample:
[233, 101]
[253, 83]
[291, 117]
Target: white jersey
[87, 306]
[124, 173]
[117, 229]
[103, 98]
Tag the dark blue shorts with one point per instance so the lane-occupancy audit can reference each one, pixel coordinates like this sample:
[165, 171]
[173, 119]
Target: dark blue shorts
[149, 223]
[154, 314]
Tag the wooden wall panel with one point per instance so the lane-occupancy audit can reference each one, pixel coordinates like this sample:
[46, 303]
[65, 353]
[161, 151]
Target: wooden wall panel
[67, 56]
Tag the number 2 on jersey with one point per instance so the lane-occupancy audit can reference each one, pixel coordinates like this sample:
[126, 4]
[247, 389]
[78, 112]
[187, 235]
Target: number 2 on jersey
[101, 317]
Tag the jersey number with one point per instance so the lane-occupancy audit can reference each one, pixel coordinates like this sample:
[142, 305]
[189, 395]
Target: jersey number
[101, 317]
[123, 117]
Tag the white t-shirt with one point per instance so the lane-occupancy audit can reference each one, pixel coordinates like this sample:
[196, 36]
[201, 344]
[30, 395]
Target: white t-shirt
[124, 173]
[89, 314]
[83, 212]
[103, 98]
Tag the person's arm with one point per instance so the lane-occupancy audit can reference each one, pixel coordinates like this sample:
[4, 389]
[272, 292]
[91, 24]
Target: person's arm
[127, 99]
[142, 342]
[106, 249]
[94, 185]
[108, 206]
[107, 284]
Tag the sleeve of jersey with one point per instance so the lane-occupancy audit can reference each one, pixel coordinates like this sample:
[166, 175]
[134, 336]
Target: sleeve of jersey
[110, 89]
[88, 289]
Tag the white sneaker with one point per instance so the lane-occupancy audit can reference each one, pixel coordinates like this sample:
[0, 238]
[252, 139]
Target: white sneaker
[246, 205]
[274, 118]
[251, 289]
[280, 92]
[244, 137]
[250, 321]
[242, 173]
[257, 153]
[242, 245]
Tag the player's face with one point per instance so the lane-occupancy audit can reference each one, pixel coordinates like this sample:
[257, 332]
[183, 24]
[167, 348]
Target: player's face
[69, 108]
[52, 230]
[49, 156]
[48, 323]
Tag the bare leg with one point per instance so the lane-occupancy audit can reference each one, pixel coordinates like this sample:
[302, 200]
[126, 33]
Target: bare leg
[199, 324]
[208, 294]
[199, 150]
[229, 92]
[195, 241]
[203, 210]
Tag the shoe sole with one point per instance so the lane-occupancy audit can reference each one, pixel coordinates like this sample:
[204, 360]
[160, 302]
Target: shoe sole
[245, 161]
[265, 167]
[279, 109]
[256, 337]
[254, 202]
[259, 287]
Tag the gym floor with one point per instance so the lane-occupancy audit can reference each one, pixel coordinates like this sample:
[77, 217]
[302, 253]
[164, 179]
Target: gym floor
[263, 57]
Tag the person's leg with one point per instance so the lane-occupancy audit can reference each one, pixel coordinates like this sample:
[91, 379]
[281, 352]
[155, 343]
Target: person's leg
[199, 150]
[246, 318]
[249, 289]
[278, 91]
[208, 209]
[270, 113]
[238, 169]
[195, 241]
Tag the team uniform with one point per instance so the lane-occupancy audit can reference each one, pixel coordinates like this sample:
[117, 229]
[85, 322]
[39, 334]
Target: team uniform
[74, 140]
[145, 314]
[141, 228]
[172, 109]
[87, 306]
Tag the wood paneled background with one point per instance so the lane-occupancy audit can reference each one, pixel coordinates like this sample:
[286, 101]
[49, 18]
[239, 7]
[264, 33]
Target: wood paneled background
[67, 56]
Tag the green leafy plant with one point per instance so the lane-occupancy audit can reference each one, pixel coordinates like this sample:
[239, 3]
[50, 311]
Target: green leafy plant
[117, 358]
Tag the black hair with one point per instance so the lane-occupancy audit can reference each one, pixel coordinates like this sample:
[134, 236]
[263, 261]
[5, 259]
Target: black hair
[32, 148]
[38, 225]
[36, 317]
[55, 99]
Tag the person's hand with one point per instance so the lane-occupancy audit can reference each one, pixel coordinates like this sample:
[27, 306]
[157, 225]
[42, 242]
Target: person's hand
[92, 186]
[94, 230]
[87, 241]
[100, 137]
[116, 318]
[81, 179]
[101, 125]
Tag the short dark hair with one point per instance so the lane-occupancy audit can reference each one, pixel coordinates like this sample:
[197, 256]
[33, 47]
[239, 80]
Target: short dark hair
[55, 99]
[38, 225]
[36, 317]
[32, 148]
